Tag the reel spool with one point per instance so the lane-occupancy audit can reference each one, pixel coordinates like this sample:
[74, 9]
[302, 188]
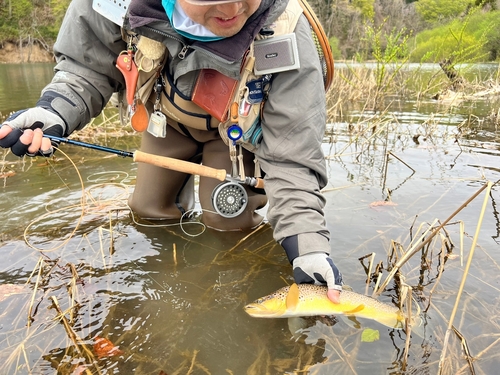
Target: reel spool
[229, 199]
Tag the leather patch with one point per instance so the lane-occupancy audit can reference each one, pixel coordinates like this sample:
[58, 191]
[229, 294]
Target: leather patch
[214, 93]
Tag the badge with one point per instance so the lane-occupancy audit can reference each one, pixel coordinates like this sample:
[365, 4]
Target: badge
[255, 91]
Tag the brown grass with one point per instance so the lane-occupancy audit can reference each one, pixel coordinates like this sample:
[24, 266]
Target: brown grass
[351, 86]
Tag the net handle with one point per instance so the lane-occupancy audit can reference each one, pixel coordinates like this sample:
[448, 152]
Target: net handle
[323, 41]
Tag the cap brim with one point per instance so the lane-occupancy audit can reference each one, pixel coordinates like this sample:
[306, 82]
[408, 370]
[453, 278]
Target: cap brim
[211, 2]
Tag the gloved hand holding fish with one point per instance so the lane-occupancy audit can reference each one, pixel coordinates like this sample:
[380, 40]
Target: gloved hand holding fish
[309, 255]
[311, 300]
[318, 268]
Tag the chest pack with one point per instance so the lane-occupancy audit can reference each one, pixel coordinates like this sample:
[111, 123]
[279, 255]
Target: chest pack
[243, 124]
[217, 102]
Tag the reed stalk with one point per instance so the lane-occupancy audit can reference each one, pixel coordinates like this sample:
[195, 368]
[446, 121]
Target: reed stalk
[33, 295]
[74, 337]
[440, 273]
[368, 276]
[413, 251]
[408, 327]
[73, 291]
[487, 186]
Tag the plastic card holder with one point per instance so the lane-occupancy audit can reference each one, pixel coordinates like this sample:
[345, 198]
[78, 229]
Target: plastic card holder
[276, 54]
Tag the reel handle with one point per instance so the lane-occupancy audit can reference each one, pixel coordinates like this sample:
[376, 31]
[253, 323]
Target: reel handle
[179, 165]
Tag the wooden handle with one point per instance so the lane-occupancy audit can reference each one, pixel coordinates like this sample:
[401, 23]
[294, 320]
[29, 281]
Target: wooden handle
[180, 165]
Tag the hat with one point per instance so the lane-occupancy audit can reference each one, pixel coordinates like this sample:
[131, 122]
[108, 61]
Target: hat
[211, 2]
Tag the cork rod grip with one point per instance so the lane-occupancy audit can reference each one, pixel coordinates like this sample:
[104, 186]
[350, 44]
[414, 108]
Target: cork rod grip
[260, 183]
[179, 165]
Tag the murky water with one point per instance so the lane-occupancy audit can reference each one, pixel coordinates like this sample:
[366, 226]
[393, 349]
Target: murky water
[21, 85]
[171, 297]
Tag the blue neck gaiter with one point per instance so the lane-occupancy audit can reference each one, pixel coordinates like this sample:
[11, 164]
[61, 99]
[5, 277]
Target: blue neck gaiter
[169, 6]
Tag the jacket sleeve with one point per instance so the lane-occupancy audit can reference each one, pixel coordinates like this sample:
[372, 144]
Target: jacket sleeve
[86, 50]
[293, 126]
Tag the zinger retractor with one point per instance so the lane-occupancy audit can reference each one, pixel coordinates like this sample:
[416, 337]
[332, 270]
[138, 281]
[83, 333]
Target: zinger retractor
[229, 199]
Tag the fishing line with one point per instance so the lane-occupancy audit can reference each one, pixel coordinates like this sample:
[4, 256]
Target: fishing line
[85, 208]
[88, 204]
[180, 223]
[91, 178]
[79, 221]
[49, 162]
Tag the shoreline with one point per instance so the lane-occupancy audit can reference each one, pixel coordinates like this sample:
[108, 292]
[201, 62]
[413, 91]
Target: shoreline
[11, 53]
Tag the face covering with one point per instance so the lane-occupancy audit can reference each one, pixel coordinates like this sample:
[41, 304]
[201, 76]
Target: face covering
[184, 25]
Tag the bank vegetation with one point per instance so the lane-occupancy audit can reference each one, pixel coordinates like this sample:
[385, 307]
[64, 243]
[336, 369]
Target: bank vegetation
[433, 30]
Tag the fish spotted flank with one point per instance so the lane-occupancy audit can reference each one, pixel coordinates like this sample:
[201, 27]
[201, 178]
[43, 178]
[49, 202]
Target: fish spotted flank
[311, 300]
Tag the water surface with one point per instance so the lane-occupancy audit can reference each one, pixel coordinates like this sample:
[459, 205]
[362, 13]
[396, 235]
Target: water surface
[171, 297]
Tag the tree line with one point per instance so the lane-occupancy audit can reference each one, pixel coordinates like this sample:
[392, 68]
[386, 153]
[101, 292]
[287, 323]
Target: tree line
[415, 30]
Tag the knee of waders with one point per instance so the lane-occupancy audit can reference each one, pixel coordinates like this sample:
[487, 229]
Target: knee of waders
[168, 205]
[244, 221]
[154, 211]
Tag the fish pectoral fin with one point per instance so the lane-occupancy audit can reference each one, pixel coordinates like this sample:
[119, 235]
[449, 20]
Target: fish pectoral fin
[353, 322]
[292, 298]
[355, 310]
[296, 325]
[390, 321]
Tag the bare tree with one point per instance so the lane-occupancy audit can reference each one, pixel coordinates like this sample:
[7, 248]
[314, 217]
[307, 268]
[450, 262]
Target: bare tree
[344, 21]
[397, 14]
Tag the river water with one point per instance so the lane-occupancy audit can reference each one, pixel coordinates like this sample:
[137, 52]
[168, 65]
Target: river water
[169, 298]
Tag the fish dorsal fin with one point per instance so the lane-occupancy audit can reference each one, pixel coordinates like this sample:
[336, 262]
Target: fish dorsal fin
[355, 310]
[292, 298]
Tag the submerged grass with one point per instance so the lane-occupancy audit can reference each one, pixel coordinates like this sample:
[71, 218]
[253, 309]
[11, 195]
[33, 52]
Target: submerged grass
[81, 358]
[80, 355]
[373, 133]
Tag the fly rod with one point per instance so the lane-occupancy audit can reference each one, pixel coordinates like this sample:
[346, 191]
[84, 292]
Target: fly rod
[165, 162]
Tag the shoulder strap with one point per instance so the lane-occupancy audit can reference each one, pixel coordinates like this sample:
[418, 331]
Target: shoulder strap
[324, 49]
[286, 21]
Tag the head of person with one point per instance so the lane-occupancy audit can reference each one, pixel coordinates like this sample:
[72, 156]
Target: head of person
[224, 18]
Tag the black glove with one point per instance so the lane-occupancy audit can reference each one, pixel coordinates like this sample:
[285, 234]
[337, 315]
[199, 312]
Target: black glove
[317, 268]
[32, 118]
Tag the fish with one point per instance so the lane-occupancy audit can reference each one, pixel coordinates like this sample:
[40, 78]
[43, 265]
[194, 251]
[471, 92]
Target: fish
[311, 300]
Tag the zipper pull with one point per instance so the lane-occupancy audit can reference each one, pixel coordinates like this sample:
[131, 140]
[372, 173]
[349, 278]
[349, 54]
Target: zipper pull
[183, 52]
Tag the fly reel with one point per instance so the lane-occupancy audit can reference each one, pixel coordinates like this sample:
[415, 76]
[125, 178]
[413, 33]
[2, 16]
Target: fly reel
[229, 199]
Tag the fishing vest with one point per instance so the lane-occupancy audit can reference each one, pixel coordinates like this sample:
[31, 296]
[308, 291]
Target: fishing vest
[219, 102]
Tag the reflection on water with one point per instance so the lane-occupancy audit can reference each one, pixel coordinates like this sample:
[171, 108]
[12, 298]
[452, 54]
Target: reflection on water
[172, 300]
[21, 85]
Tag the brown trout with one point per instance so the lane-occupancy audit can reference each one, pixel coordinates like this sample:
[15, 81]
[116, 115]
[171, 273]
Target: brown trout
[311, 300]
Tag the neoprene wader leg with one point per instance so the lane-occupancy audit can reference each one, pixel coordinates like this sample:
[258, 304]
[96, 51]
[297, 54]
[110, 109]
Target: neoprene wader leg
[216, 155]
[161, 193]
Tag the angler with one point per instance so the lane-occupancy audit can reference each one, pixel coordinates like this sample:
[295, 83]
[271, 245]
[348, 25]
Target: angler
[235, 85]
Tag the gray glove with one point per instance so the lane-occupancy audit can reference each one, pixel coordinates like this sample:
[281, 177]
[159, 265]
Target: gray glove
[317, 268]
[32, 118]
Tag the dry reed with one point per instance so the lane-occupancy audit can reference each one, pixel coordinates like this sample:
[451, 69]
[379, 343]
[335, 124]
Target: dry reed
[373, 125]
